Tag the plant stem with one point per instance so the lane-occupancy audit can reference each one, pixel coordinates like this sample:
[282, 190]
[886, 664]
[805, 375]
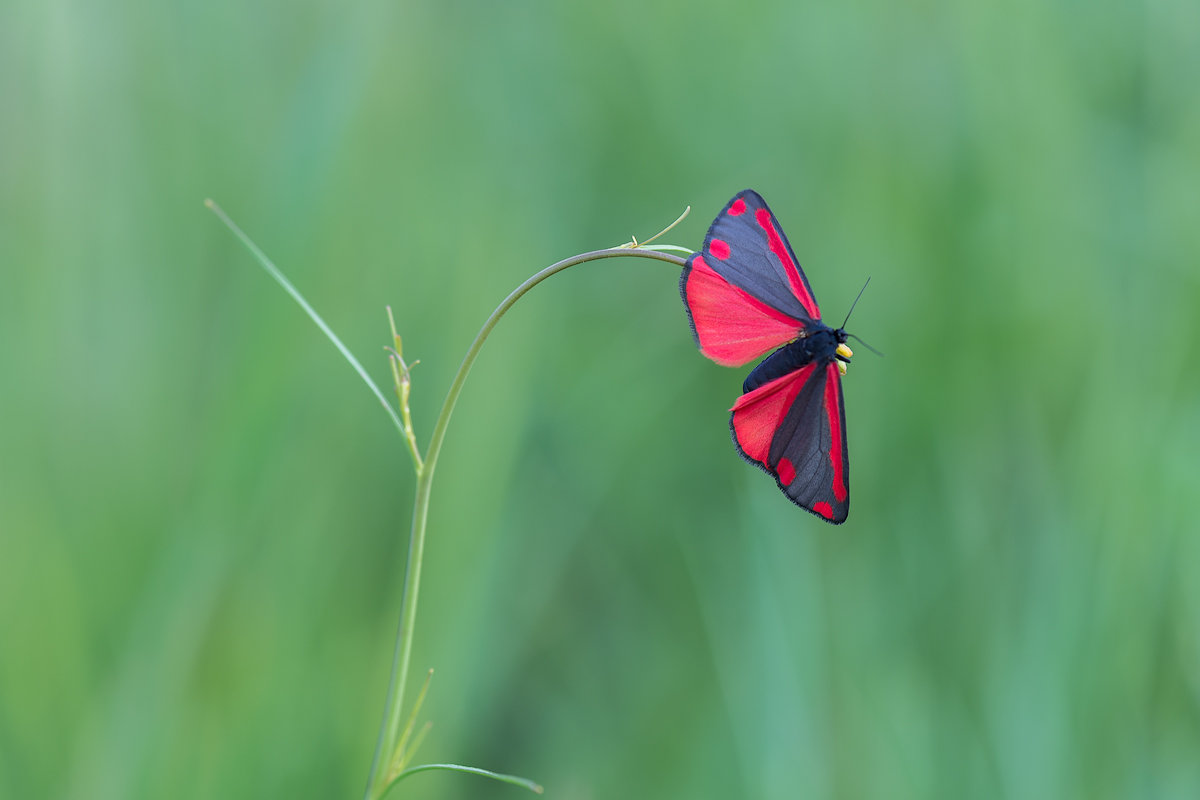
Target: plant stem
[388, 766]
[385, 754]
[439, 428]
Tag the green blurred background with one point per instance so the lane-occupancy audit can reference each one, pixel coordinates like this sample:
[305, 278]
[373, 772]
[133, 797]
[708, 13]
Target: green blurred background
[204, 515]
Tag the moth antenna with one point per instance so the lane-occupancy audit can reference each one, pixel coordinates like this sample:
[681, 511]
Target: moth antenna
[852, 305]
[864, 344]
[635, 243]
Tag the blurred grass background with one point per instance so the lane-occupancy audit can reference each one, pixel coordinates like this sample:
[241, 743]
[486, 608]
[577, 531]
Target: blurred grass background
[203, 515]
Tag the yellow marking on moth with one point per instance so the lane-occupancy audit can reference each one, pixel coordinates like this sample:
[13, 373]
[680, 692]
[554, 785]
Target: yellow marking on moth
[844, 352]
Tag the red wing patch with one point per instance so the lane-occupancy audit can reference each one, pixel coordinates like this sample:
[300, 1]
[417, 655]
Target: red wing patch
[775, 241]
[731, 327]
[757, 416]
[837, 436]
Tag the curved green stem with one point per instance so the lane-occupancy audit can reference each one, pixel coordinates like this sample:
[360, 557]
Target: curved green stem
[385, 755]
[439, 428]
[487, 773]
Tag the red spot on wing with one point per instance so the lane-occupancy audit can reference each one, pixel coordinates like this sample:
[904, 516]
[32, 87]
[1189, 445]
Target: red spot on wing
[719, 248]
[757, 415]
[731, 326]
[775, 242]
[738, 208]
[833, 409]
[823, 509]
[787, 472]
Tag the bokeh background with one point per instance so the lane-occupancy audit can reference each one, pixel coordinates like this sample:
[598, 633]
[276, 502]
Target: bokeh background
[204, 515]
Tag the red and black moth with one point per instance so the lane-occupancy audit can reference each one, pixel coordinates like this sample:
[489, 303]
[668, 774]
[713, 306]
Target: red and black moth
[745, 294]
